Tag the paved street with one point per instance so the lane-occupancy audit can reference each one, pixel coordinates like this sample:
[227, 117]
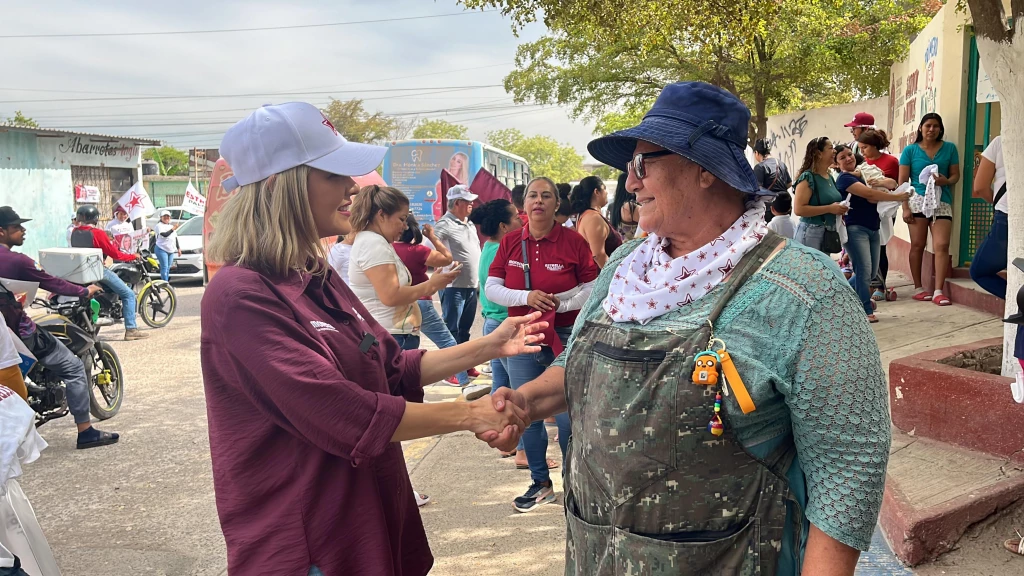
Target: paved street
[146, 506]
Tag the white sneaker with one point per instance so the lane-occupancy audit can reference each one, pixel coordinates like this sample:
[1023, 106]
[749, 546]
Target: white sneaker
[486, 369]
[474, 391]
[421, 499]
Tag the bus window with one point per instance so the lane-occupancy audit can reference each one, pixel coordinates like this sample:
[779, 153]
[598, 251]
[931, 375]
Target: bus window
[494, 169]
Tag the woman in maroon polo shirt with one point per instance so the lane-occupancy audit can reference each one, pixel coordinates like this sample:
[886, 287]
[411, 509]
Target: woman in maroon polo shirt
[547, 268]
[307, 396]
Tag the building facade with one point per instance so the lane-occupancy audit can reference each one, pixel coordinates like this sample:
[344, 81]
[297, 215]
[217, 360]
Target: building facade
[40, 169]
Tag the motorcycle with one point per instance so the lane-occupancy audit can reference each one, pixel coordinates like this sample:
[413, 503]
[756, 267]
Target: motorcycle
[72, 321]
[156, 299]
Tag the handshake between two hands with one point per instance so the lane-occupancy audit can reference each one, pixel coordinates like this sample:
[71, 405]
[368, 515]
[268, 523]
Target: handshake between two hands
[500, 419]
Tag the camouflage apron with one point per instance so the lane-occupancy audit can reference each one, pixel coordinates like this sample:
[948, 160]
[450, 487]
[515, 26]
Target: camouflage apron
[649, 490]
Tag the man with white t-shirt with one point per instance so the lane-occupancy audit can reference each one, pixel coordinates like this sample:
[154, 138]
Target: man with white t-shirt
[990, 184]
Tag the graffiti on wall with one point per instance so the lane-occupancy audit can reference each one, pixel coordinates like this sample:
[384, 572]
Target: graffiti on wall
[784, 142]
[910, 100]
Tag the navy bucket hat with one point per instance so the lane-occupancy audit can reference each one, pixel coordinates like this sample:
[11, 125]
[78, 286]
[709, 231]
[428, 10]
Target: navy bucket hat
[696, 120]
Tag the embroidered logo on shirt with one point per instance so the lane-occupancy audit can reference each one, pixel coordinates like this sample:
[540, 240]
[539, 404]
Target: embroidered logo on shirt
[322, 326]
[554, 267]
[516, 264]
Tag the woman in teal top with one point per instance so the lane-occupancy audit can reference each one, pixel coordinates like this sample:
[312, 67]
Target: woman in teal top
[817, 200]
[494, 219]
[780, 469]
[930, 148]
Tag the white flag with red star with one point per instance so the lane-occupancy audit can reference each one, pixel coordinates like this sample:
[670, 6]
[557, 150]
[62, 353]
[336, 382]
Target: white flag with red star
[136, 202]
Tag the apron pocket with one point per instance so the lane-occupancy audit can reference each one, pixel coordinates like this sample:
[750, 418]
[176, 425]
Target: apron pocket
[627, 421]
[588, 546]
[731, 552]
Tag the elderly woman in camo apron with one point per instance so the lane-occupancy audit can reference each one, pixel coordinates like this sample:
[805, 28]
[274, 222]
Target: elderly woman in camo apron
[726, 396]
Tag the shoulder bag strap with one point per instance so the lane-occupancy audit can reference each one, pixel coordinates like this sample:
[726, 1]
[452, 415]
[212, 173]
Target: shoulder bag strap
[526, 260]
[1000, 194]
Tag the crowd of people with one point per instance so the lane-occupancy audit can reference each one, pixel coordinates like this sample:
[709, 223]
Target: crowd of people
[592, 307]
[846, 198]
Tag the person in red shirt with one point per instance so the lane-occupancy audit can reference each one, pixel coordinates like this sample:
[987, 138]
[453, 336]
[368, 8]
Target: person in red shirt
[308, 397]
[872, 143]
[88, 235]
[548, 268]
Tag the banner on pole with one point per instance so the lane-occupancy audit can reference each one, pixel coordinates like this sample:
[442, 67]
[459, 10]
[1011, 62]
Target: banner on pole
[136, 202]
[194, 203]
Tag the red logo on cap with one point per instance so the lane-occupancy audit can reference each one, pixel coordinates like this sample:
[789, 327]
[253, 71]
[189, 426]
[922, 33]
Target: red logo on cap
[327, 123]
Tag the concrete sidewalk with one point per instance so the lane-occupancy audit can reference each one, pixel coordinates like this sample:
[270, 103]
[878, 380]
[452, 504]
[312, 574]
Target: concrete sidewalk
[474, 530]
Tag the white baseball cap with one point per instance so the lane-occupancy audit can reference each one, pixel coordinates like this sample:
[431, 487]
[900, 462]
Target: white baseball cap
[165, 213]
[279, 137]
[461, 192]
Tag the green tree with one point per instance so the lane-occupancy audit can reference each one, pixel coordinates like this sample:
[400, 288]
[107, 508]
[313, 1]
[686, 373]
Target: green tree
[170, 160]
[20, 120]
[351, 119]
[546, 156]
[776, 55]
[440, 130]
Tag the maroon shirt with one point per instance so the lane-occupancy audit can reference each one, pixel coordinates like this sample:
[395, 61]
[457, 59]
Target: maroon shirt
[559, 262]
[300, 425]
[414, 256]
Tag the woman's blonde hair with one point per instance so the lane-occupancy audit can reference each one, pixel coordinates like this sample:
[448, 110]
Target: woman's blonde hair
[268, 227]
[372, 200]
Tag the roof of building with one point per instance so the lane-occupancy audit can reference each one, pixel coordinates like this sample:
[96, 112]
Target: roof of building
[96, 137]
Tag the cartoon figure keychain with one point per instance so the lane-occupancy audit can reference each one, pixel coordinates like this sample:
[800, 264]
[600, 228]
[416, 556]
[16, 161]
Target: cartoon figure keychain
[707, 365]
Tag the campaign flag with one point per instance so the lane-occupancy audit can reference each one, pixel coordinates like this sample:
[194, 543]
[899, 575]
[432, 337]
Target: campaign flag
[136, 202]
[194, 203]
[447, 181]
[216, 198]
[488, 187]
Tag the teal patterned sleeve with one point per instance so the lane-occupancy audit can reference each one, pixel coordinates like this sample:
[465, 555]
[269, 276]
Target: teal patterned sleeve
[838, 400]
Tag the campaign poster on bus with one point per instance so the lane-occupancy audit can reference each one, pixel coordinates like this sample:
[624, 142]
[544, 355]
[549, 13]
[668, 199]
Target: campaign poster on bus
[416, 171]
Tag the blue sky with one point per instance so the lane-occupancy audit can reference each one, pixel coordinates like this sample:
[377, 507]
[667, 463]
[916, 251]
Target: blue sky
[314, 63]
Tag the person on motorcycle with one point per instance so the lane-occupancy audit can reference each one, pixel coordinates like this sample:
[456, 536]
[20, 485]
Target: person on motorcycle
[47, 349]
[89, 235]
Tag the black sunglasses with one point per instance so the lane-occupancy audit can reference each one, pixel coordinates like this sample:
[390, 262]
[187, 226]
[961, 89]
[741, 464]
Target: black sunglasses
[637, 163]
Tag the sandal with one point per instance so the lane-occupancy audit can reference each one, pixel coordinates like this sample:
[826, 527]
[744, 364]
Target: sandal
[891, 295]
[942, 300]
[551, 465]
[878, 296]
[872, 319]
[508, 454]
[1015, 545]
[923, 296]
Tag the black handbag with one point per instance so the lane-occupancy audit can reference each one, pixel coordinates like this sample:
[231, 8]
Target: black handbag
[831, 243]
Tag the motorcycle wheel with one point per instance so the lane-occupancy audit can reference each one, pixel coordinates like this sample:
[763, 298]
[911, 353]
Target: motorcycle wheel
[157, 303]
[106, 391]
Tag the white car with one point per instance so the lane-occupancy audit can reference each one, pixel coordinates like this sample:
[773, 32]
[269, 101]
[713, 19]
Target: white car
[178, 216]
[188, 266]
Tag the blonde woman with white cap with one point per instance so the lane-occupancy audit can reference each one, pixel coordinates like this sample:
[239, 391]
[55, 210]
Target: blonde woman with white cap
[166, 244]
[308, 398]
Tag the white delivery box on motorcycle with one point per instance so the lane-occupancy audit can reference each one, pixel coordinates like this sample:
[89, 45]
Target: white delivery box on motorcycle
[76, 265]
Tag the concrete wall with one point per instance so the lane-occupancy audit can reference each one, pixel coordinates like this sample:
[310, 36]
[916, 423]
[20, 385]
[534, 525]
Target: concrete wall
[933, 78]
[160, 187]
[37, 186]
[790, 133]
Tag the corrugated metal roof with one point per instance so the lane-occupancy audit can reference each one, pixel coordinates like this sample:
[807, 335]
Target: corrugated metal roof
[57, 132]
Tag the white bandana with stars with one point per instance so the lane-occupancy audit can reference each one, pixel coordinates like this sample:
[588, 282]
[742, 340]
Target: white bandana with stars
[649, 283]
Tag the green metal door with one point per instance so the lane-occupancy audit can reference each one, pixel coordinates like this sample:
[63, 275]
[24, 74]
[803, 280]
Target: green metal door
[976, 214]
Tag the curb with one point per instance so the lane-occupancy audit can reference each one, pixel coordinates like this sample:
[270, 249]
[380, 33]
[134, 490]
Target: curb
[921, 535]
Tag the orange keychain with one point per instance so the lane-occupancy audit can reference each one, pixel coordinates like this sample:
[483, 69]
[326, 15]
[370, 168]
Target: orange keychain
[733, 380]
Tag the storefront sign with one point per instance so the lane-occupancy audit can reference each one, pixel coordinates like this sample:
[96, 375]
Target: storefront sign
[88, 151]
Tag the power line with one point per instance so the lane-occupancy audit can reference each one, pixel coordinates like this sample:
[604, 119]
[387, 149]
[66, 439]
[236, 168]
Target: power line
[233, 30]
[333, 86]
[255, 95]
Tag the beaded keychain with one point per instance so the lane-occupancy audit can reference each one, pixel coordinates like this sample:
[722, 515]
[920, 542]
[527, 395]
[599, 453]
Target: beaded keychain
[707, 365]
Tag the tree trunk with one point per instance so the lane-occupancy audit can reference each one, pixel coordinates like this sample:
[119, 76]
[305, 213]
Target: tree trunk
[1002, 60]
